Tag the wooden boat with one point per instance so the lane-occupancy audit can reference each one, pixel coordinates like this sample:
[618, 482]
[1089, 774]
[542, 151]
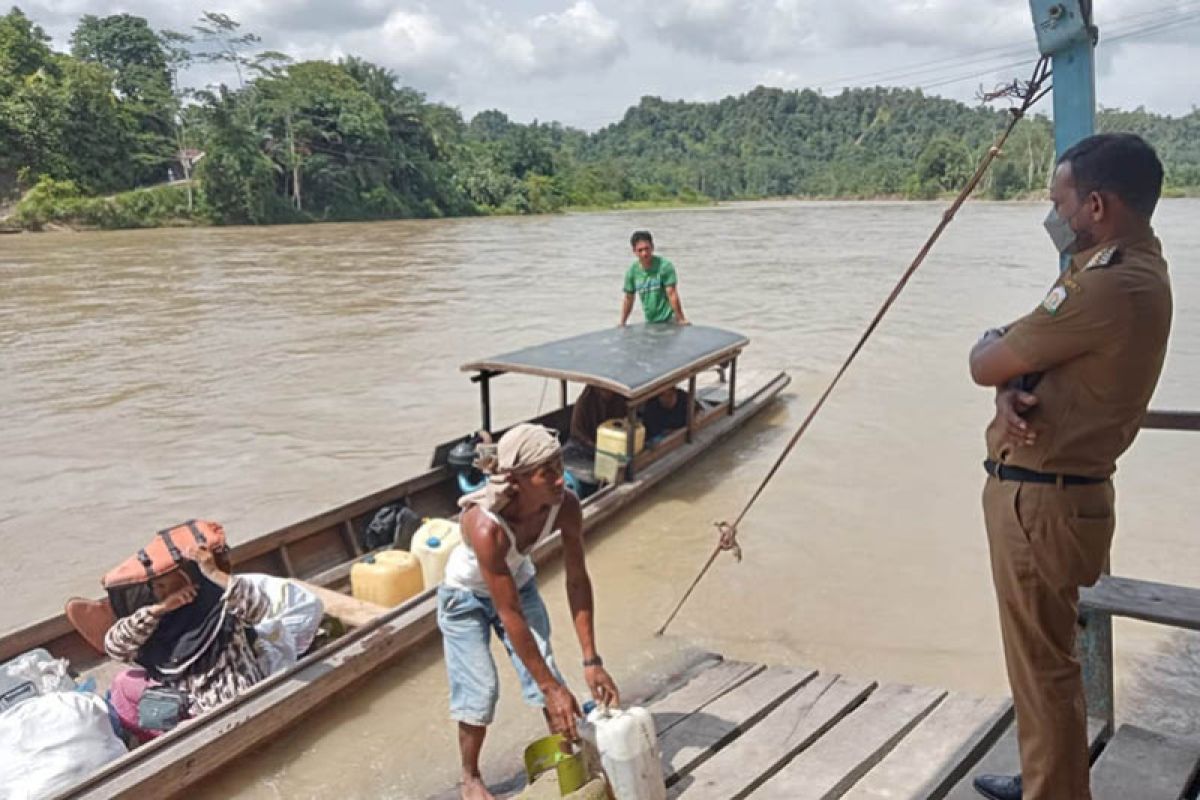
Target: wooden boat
[637, 362]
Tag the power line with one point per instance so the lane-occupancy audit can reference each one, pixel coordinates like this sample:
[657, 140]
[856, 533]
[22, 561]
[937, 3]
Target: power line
[1173, 23]
[1004, 54]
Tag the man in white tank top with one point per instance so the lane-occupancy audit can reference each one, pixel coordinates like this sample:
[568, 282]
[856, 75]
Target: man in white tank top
[490, 585]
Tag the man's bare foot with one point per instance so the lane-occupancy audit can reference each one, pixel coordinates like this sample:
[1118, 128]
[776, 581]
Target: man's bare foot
[474, 789]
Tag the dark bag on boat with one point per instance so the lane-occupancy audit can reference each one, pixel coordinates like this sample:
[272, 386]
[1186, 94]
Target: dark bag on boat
[128, 584]
[392, 526]
[161, 708]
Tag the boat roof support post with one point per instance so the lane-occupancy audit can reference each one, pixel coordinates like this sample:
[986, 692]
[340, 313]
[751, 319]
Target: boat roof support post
[732, 384]
[631, 422]
[562, 393]
[691, 407]
[484, 379]
[1065, 33]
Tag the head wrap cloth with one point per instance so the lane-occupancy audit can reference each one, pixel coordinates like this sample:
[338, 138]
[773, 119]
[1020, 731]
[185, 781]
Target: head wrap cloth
[523, 448]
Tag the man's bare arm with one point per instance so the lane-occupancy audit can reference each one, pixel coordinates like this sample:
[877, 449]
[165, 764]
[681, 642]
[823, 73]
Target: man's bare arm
[626, 308]
[676, 305]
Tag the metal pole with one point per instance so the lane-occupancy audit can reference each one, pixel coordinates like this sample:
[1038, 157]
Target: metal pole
[485, 400]
[562, 394]
[1074, 69]
[1066, 34]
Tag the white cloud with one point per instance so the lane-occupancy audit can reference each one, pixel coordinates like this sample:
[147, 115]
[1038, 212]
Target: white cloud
[415, 38]
[782, 78]
[957, 25]
[414, 43]
[578, 39]
[734, 30]
[318, 16]
[746, 31]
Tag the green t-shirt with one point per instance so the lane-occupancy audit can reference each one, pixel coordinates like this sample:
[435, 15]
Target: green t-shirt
[651, 285]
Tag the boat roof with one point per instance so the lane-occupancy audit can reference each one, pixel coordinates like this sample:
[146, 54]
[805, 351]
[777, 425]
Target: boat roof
[634, 361]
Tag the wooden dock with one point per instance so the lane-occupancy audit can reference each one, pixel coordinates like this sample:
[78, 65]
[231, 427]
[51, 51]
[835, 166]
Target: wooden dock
[737, 729]
[734, 729]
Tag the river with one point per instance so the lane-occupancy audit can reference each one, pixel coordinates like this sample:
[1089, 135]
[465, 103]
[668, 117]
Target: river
[259, 375]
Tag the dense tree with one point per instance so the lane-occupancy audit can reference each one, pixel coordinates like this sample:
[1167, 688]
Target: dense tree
[318, 140]
[127, 46]
[328, 133]
[238, 179]
[24, 49]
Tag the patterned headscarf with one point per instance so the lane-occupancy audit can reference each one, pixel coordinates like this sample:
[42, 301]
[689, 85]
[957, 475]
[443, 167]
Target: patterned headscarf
[523, 448]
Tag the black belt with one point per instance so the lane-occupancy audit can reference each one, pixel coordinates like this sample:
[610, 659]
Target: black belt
[1006, 473]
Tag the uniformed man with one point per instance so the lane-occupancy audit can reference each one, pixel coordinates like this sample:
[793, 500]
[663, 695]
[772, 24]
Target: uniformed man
[1073, 379]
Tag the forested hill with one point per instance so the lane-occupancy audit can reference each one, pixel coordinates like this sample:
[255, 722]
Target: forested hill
[772, 142]
[109, 134]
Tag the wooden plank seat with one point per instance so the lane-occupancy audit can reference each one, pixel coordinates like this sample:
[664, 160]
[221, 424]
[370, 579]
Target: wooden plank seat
[352, 612]
[1146, 765]
[1178, 606]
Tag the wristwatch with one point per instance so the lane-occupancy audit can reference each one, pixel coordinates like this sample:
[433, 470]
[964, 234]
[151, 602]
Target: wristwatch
[594, 661]
[994, 333]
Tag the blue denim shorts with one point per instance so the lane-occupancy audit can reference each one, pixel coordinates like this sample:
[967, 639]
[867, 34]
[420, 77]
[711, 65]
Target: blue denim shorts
[466, 620]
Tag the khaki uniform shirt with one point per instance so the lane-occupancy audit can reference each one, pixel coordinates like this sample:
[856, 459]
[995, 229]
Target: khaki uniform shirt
[1099, 338]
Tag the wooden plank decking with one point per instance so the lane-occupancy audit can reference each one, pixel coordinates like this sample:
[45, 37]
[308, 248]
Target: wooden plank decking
[740, 730]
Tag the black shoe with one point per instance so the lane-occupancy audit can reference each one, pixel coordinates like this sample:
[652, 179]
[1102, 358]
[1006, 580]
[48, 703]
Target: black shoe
[999, 787]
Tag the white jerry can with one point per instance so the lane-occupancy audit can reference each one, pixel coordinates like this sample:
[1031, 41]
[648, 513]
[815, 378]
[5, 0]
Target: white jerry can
[627, 747]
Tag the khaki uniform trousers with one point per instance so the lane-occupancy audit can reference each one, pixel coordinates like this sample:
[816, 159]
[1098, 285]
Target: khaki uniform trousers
[1045, 542]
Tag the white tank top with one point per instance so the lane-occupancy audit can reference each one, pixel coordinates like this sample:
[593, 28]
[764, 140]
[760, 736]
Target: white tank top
[462, 570]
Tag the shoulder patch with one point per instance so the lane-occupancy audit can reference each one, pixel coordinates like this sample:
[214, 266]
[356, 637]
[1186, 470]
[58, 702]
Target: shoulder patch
[1054, 300]
[1104, 258]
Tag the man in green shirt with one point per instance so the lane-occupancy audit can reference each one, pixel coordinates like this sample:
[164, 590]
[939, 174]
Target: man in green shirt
[653, 279]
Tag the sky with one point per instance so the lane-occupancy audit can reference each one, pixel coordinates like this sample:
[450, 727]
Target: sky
[584, 62]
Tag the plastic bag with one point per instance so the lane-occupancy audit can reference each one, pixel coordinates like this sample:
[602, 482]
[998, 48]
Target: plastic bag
[285, 634]
[48, 674]
[53, 742]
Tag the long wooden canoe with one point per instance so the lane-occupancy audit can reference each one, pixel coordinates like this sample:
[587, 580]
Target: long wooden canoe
[319, 551]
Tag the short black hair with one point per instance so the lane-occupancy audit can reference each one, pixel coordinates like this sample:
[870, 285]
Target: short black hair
[1121, 163]
[641, 236]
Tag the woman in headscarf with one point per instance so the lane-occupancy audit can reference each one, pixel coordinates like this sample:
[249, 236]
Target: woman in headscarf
[490, 585]
[197, 638]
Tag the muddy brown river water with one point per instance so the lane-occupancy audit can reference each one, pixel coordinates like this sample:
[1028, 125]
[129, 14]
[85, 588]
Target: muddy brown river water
[257, 376]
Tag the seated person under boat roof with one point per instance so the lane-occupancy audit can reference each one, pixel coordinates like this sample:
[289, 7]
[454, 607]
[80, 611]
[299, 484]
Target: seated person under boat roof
[665, 412]
[594, 405]
[490, 586]
[198, 637]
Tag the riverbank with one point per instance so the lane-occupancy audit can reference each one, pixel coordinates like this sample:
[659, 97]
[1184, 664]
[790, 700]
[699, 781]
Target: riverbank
[57, 207]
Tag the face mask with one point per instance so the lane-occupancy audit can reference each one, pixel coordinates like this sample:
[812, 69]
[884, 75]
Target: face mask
[1060, 230]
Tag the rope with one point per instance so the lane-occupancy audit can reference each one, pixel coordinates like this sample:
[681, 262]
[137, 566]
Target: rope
[1029, 94]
